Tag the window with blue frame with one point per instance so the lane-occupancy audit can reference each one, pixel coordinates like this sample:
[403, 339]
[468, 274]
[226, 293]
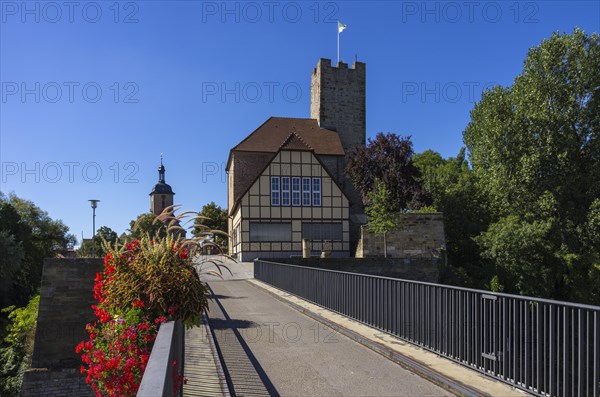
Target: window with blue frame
[306, 192]
[275, 199]
[296, 191]
[316, 192]
[285, 190]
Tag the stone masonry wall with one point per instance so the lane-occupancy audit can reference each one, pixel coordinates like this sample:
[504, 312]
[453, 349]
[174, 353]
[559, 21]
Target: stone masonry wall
[66, 297]
[55, 383]
[419, 236]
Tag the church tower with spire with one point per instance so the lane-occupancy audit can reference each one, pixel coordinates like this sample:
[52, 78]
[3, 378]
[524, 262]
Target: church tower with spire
[162, 195]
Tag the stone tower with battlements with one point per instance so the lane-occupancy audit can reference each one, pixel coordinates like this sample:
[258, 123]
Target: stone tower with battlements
[338, 102]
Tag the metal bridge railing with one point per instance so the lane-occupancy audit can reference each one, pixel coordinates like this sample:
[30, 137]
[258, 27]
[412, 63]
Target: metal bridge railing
[542, 346]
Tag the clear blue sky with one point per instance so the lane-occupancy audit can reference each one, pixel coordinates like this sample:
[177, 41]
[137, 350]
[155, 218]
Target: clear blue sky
[93, 87]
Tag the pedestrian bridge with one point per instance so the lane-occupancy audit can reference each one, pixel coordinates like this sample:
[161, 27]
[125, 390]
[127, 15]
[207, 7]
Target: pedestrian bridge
[290, 330]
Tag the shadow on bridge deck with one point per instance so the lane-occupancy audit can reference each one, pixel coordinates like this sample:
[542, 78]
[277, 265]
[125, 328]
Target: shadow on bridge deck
[271, 349]
[245, 376]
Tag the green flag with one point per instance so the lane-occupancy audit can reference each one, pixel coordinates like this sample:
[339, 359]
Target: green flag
[341, 27]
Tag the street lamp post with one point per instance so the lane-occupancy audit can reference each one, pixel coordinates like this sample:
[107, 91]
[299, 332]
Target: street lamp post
[94, 205]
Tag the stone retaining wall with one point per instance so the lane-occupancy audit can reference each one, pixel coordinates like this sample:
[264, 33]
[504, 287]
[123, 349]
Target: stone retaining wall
[65, 299]
[419, 236]
[55, 383]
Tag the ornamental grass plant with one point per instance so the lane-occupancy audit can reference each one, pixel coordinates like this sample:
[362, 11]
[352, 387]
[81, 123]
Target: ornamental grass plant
[144, 284]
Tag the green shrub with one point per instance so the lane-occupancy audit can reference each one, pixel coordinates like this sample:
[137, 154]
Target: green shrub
[17, 346]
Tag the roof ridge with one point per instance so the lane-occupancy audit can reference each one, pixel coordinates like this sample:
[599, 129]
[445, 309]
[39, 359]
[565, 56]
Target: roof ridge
[292, 118]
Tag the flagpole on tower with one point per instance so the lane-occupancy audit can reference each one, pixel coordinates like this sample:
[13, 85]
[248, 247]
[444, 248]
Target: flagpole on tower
[340, 29]
[338, 47]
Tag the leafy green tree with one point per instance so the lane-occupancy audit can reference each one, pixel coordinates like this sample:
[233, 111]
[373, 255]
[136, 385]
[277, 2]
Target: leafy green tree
[430, 164]
[452, 186]
[592, 229]
[212, 217]
[11, 256]
[107, 234]
[523, 250]
[17, 346]
[103, 234]
[535, 152]
[40, 237]
[591, 233]
[11, 221]
[541, 134]
[388, 158]
[15, 237]
[383, 217]
[146, 224]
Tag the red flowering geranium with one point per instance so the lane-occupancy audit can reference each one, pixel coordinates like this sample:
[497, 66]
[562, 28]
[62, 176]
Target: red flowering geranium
[116, 354]
[141, 287]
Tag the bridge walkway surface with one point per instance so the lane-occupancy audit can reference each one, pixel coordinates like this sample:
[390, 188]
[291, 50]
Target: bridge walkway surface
[269, 348]
[271, 342]
[202, 370]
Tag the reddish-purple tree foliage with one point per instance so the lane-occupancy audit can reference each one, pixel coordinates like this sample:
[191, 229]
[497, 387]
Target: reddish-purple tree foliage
[388, 157]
